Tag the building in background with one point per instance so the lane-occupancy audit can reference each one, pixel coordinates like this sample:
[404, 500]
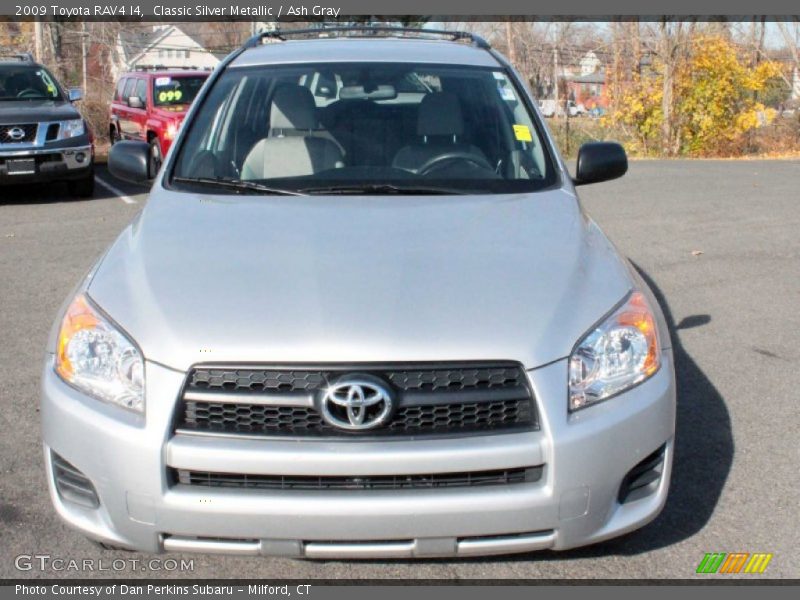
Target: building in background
[164, 46]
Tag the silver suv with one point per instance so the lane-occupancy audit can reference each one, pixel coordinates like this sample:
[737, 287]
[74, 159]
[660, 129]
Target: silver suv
[363, 314]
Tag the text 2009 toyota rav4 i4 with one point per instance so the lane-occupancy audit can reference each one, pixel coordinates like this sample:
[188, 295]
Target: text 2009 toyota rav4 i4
[362, 315]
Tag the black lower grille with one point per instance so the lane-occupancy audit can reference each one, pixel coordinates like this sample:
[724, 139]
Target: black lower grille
[72, 485]
[372, 482]
[18, 134]
[430, 400]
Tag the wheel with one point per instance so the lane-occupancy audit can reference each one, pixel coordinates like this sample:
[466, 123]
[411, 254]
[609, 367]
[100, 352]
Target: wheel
[155, 157]
[82, 188]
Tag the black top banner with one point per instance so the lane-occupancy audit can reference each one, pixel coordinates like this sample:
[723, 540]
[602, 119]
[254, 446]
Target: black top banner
[267, 10]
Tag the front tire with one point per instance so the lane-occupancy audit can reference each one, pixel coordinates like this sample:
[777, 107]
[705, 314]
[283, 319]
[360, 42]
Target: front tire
[84, 187]
[155, 158]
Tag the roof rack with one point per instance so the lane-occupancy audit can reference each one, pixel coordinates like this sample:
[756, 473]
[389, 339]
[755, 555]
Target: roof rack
[20, 56]
[367, 31]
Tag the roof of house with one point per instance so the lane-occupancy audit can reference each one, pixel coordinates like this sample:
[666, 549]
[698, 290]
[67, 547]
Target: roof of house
[136, 42]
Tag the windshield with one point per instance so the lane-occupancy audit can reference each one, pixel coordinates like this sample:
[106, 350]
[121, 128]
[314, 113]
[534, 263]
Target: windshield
[176, 91]
[364, 128]
[27, 83]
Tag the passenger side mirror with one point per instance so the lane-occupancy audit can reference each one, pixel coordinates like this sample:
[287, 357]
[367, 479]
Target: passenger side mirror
[75, 94]
[129, 161]
[135, 102]
[600, 161]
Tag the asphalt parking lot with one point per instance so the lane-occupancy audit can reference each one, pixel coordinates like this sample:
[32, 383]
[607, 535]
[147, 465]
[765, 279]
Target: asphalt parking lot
[719, 242]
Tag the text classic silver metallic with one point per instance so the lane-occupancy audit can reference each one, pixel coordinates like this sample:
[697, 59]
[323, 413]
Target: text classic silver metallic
[362, 314]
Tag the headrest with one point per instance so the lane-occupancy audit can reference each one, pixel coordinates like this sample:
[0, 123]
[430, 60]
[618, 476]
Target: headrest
[440, 114]
[292, 108]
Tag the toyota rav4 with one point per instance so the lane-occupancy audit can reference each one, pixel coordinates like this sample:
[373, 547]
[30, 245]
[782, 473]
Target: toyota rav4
[362, 314]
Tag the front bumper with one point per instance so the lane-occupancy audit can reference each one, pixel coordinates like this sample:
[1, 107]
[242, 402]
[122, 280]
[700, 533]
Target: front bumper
[49, 164]
[585, 456]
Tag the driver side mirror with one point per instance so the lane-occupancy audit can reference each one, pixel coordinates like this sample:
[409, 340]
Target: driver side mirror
[135, 102]
[129, 161]
[75, 94]
[600, 161]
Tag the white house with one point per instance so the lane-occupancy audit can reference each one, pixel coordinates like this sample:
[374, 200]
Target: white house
[163, 46]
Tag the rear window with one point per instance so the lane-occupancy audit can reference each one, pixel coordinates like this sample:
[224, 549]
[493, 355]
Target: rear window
[119, 94]
[141, 90]
[304, 127]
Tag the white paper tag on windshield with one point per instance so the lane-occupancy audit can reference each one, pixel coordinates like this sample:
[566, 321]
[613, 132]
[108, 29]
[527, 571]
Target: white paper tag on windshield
[507, 94]
[163, 80]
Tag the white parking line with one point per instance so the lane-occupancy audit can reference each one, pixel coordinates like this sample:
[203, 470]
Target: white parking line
[122, 196]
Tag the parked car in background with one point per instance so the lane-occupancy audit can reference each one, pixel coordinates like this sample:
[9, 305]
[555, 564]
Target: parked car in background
[549, 108]
[150, 106]
[43, 137]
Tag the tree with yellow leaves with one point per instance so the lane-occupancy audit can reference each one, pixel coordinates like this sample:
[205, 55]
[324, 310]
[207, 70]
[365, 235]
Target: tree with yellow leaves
[713, 101]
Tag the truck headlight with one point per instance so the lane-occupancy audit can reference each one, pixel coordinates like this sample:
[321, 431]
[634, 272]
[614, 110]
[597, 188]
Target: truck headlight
[70, 129]
[97, 358]
[617, 354]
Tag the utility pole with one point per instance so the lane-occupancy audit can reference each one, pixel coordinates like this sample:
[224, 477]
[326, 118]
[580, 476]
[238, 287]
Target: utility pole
[555, 76]
[37, 36]
[83, 56]
[512, 54]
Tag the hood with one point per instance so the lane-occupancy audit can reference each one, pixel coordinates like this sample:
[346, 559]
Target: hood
[36, 111]
[359, 279]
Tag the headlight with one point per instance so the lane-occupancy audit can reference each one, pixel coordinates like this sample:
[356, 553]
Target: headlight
[619, 353]
[172, 130]
[98, 359]
[70, 129]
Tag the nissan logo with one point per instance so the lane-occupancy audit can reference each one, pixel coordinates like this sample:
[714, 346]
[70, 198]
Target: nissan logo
[357, 403]
[16, 133]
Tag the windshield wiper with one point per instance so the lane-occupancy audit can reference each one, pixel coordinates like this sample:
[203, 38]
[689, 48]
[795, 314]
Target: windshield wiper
[240, 186]
[384, 189]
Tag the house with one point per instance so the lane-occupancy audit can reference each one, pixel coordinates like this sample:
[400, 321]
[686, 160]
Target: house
[163, 46]
[589, 90]
[588, 86]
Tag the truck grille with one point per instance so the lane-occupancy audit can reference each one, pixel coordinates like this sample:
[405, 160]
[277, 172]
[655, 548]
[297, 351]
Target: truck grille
[371, 482]
[29, 131]
[431, 400]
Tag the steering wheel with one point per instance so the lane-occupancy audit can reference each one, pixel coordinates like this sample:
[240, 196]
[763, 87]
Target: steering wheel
[28, 92]
[438, 162]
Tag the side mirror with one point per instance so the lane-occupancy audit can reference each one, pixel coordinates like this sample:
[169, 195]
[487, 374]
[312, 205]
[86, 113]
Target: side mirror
[135, 102]
[600, 161]
[129, 161]
[75, 94]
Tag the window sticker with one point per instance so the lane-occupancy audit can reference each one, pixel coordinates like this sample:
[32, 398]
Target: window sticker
[170, 96]
[499, 75]
[507, 94]
[522, 133]
[163, 81]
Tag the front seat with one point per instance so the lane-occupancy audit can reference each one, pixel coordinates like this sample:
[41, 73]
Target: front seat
[440, 124]
[293, 147]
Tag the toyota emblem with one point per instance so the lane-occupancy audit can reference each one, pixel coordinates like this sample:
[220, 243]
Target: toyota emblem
[16, 133]
[357, 403]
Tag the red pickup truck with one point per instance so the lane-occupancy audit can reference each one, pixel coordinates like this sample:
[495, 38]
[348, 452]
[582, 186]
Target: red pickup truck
[151, 105]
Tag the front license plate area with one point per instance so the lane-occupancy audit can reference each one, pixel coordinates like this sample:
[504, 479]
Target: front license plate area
[21, 166]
